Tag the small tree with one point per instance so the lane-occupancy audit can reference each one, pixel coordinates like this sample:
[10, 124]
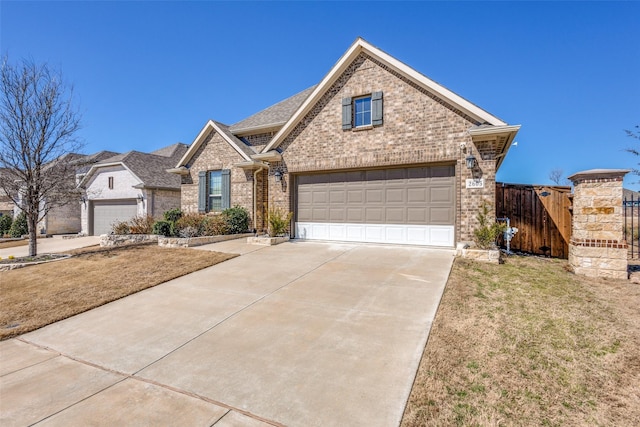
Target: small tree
[38, 128]
[487, 233]
[19, 226]
[279, 221]
[5, 224]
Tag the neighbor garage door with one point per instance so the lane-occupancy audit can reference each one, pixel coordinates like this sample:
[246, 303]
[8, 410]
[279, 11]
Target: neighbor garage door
[404, 206]
[106, 213]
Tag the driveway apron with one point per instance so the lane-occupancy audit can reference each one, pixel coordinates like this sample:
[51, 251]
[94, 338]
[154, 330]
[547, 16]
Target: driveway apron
[299, 334]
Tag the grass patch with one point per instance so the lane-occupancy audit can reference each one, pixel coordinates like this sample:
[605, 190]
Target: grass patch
[35, 296]
[13, 244]
[527, 343]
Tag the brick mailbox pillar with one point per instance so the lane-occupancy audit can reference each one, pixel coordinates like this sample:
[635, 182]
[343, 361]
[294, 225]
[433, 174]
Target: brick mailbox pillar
[598, 247]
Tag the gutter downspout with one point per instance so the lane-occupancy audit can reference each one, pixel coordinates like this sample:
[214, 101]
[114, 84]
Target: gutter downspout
[255, 198]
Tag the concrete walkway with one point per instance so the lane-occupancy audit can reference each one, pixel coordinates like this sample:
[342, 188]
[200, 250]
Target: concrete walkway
[299, 334]
[52, 245]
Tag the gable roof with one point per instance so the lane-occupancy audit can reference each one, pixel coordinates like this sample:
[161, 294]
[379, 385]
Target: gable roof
[358, 47]
[272, 117]
[223, 130]
[170, 150]
[149, 168]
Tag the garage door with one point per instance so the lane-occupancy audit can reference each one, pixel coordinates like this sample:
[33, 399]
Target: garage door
[106, 213]
[404, 206]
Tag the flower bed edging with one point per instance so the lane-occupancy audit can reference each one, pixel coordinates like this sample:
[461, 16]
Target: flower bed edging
[189, 242]
[266, 241]
[126, 239]
[493, 256]
[13, 266]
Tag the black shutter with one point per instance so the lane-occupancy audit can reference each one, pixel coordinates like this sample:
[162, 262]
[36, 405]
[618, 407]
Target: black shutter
[376, 108]
[226, 189]
[202, 191]
[346, 113]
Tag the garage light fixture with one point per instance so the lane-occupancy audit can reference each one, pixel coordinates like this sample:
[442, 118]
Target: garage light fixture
[140, 197]
[277, 175]
[471, 161]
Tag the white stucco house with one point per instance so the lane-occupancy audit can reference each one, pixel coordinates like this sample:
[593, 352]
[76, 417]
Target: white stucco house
[128, 185]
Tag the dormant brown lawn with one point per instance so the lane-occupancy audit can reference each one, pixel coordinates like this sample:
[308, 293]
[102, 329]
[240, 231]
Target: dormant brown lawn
[13, 244]
[35, 296]
[528, 343]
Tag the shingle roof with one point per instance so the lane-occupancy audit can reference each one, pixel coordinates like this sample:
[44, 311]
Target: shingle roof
[169, 151]
[241, 144]
[152, 168]
[90, 159]
[273, 116]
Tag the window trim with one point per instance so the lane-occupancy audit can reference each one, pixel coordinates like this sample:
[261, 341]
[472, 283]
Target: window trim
[354, 119]
[210, 196]
[375, 111]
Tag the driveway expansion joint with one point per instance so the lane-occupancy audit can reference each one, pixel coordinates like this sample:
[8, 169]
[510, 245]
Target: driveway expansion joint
[135, 377]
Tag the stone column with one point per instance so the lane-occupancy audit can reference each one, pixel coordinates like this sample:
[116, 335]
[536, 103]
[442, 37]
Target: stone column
[598, 247]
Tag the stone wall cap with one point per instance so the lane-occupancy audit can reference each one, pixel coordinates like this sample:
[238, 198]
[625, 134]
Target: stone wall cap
[599, 173]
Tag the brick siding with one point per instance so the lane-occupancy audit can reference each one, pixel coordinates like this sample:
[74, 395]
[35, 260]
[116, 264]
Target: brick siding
[418, 129]
[215, 154]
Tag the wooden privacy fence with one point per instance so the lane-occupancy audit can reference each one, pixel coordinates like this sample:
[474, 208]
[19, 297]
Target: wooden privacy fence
[542, 215]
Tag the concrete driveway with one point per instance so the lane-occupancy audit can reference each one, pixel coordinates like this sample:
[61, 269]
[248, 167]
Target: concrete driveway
[299, 334]
[51, 245]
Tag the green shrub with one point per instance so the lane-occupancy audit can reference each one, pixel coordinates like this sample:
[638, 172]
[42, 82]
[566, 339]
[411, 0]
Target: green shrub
[487, 233]
[5, 224]
[237, 219]
[163, 228]
[141, 224]
[278, 221]
[215, 226]
[19, 226]
[189, 225]
[173, 215]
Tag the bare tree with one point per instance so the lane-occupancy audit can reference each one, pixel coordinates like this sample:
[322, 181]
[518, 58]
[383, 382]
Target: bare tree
[556, 176]
[635, 151]
[38, 127]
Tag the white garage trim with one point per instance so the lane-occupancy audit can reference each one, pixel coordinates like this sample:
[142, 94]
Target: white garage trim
[402, 234]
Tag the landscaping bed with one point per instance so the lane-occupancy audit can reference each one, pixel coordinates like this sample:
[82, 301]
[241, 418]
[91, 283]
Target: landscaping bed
[12, 263]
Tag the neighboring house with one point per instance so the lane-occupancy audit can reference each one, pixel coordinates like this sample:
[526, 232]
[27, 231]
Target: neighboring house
[376, 152]
[127, 185]
[6, 204]
[66, 219]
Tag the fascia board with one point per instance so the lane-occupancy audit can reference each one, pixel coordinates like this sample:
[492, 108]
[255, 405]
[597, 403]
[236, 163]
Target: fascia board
[193, 147]
[326, 82]
[199, 139]
[494, 130]
[262, 128]
[94, 169]
[356, 48]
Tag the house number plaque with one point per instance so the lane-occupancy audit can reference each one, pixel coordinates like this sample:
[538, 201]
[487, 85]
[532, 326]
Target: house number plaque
[475, 183]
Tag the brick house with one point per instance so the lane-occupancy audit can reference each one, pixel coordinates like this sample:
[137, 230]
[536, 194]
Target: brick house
[376, 152]
[126, 185]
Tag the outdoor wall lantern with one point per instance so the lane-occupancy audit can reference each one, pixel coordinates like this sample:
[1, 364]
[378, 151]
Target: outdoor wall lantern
[140, 197]
[471, 161]
[277, 175]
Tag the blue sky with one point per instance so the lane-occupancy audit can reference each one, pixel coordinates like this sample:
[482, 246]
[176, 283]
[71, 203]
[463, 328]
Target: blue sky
[148, 74]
